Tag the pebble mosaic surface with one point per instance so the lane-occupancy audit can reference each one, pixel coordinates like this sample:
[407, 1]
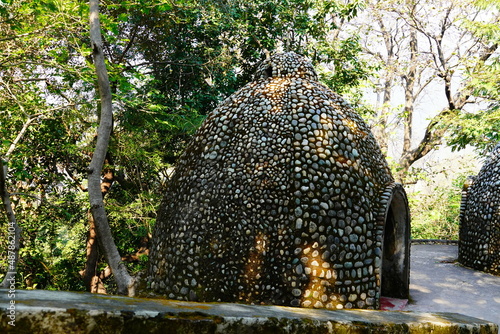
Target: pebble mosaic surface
[279, 199]
[479, 240]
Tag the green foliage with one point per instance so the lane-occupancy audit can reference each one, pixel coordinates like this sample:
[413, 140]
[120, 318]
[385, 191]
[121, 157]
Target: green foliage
[480, 128]
[52, 238]
[345, 70]
[435, 215]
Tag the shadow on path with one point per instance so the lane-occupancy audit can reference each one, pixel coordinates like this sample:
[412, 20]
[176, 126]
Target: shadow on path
[439, 284]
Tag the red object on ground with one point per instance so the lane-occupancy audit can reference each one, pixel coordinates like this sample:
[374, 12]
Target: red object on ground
[392, 304]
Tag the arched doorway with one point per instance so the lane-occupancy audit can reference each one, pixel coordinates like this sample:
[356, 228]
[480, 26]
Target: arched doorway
[396, 246]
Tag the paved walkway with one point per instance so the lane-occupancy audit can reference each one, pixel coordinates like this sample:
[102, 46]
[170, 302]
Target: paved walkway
[439, 284]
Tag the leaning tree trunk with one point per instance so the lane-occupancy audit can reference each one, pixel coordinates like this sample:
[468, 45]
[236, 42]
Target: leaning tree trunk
[14, 231]
[123, 279]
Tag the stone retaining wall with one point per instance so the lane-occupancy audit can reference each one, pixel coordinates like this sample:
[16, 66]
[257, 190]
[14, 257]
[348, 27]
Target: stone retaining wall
[68, 312]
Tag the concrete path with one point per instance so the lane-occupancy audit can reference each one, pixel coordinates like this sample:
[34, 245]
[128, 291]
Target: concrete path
[439, 284]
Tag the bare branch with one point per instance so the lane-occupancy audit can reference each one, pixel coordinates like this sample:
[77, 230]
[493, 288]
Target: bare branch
[29, 79]
[21, 133]
[34, 32]
[166, 62]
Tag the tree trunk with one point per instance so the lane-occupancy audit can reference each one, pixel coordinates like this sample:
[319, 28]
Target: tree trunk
[14, 231]
[409, 79]
[380, 130]
[90, 275]
[123, 279]
[91, 278]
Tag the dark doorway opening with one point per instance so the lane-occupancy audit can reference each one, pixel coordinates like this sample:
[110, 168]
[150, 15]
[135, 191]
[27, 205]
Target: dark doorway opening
[396, 247]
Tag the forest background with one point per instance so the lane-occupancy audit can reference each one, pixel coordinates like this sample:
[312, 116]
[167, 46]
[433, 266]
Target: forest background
[424, 74]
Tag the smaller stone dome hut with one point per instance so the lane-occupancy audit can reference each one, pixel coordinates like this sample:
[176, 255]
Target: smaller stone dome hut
[479, 234]
[283, 197]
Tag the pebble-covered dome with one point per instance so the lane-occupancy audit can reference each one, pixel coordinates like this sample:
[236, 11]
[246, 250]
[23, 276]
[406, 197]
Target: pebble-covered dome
[281, 198]
[479, 235]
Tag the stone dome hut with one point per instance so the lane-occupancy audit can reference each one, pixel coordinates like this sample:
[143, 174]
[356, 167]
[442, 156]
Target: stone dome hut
[283, 197]
[479, 234]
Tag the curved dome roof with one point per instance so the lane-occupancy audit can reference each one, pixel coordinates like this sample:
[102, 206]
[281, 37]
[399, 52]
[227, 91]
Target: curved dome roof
[280, 198]
[479, 235]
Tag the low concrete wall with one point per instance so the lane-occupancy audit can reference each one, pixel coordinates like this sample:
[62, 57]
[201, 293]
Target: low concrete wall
[56, 312]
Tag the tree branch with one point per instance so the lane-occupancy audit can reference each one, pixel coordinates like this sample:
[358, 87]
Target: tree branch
[10, 38]
[20, 135]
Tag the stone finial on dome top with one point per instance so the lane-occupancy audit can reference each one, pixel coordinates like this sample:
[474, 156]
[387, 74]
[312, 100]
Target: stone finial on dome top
[288, 64]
